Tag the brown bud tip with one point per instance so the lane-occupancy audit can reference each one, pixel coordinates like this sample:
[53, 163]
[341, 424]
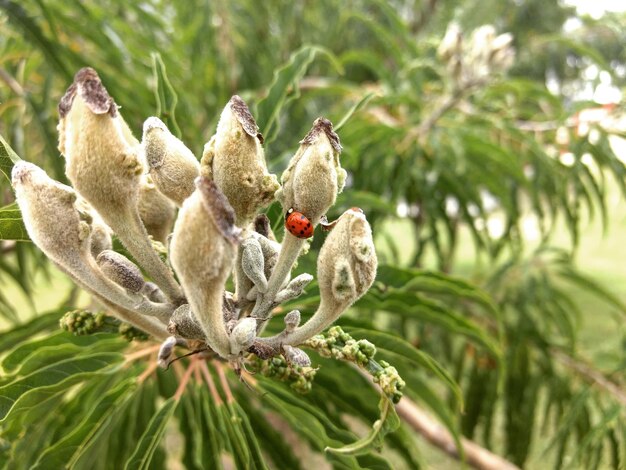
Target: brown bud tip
[87, 83]
[219, 208]
[262, 225]
[323, 125]
[245, 118]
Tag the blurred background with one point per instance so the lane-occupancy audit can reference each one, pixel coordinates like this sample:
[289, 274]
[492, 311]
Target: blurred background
[482, 138]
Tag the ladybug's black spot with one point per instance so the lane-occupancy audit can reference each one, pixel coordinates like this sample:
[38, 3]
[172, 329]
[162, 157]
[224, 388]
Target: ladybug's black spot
[301, 232]
[293, 226]
[308, 225]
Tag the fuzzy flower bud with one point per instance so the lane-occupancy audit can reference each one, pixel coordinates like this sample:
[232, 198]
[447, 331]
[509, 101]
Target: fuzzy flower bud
[156, 211]
[347, 262]
[184, 323]
[292, 320]
[172, 165]
[253, 263]
[202, 251]
[314, 176]
[235, 161]
[346, 268]
[165, 352]
[243, 335]
[294, 289]
[52, 219]
[296, 356]
[101, 164]
[121, 270]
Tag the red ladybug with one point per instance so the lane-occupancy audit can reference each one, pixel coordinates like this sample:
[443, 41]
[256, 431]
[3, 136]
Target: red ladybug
[298, 225]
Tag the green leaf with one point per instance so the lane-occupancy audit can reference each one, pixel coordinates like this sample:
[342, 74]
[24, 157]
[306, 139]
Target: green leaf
[25, 393]
[388, 422]
[44, 322]
[8, 158]
[151, 437]
[355, 108]
[284, 88]
[11, 224]
[23, 351]
[165, 95]
[68, 448]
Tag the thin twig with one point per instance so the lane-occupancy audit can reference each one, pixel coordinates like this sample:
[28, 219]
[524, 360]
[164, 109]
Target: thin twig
[183, 382]
[224, 382]
[475, 455]
[211, 383]
[591, 375]
[141, 353]
[148, 372]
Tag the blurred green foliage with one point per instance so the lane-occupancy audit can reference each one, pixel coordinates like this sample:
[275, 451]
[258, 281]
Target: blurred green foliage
[446, 158]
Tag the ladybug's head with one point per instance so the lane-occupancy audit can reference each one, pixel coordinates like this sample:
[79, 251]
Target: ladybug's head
[288, 213]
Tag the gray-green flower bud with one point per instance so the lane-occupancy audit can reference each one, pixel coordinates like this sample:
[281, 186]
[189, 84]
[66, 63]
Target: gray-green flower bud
[172, 165]
[292, 320]
[184, 323]
[156, 211]
[101, 164]
[202, 251]
[243, 335]
[294, 289]
[314, 176]
[253, 263]
[52, 220]
[121, 270]
[296, 356]
[235, 161]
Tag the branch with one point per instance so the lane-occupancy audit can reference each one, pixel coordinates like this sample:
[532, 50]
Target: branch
[475, 455]
[591, 375]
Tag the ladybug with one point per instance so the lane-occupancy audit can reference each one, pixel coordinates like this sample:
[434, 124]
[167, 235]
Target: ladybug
[298, 225]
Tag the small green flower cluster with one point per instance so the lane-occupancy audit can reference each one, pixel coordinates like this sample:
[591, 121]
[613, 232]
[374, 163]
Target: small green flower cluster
[84, 322]
[340, 345]
[299, 378]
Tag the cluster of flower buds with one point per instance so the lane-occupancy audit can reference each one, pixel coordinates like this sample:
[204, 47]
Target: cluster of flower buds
[340, 345]
[83, 322]
[299, 377]
[482, 55]
[155, 193]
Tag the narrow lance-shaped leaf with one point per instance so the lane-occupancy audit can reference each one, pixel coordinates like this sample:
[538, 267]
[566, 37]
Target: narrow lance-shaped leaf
[151, 437]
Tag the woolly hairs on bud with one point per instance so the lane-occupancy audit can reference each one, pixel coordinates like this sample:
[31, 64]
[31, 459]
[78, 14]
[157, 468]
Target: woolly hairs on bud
[202, 251]
[172, 165]
[235, 161]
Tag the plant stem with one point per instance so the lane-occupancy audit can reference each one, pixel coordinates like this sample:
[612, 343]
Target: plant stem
[289, 252]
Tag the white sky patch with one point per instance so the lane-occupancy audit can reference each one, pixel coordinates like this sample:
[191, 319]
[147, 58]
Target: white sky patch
[596, 8]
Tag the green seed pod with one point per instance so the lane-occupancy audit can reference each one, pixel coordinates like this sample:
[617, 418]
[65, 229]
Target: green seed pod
[156, 211]
[314, 176]
[172, 165]
[121, 270]
[202, 251]
[235, 161]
